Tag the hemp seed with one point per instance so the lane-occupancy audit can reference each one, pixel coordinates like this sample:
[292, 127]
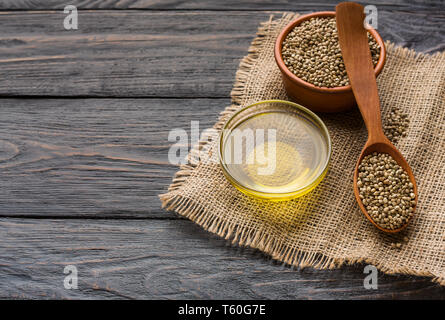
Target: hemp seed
[396, 124]
[312, 52]
[398, 191]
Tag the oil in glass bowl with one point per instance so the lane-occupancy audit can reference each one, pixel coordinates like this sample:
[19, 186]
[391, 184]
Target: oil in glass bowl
[275, 150]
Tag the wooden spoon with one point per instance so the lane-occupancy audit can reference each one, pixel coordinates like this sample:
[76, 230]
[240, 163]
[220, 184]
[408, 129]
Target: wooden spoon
[354, 46]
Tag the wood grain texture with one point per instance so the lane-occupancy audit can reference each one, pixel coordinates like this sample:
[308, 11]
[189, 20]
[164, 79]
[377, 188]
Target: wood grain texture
[92, 157]
[211, 4]
[153, 54]
[124, 54]
[83, 160]
[164, 259]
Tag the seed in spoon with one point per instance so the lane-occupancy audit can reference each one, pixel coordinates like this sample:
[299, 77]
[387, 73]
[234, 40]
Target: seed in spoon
[385, 190]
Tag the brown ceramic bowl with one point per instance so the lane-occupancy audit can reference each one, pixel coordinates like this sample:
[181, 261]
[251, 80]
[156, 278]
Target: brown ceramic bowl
[317, 98]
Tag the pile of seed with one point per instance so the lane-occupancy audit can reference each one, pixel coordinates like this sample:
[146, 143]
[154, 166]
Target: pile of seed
[396, 124]
[398, 245]
[385, 190]
[311, 51]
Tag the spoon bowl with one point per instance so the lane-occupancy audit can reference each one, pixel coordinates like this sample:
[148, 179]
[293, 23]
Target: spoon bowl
[383, 146]
[357, 59]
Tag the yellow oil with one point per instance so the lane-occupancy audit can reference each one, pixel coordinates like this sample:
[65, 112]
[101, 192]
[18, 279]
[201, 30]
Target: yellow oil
[292, 161]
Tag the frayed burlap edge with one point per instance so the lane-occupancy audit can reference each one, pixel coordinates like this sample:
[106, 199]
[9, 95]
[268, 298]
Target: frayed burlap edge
[259, 239]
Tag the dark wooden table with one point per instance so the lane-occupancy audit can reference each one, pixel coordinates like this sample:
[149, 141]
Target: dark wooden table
[84, 120]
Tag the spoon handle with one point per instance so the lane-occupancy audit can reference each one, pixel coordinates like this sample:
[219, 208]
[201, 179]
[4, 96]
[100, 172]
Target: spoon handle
[354, 46]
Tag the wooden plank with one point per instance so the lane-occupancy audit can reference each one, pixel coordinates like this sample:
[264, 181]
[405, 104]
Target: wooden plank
[92, 157]
[124, 53]
[167, 259]
[210, 4]
[153, 54]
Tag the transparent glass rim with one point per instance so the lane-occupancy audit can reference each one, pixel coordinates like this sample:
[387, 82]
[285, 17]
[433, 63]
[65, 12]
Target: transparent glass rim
[298, 192]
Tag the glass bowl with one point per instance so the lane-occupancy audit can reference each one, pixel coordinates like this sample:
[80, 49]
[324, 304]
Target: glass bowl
[274, 149]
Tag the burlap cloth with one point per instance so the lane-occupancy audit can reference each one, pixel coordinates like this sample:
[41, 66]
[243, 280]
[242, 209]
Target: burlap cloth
[325, 228]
